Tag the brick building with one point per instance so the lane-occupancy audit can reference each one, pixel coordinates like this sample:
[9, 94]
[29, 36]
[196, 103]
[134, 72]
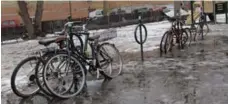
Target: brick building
[59, 10]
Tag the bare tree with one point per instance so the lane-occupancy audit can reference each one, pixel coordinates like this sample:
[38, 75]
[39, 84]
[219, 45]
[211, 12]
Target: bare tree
[33, 30]
[38, 18]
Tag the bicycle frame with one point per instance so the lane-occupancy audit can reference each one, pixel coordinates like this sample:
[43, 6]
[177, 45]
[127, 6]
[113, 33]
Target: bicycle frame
[94, 47]
[176, 29]
[72, 50]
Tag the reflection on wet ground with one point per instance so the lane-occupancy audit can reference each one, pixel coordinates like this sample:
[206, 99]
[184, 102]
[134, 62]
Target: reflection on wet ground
[195, 75]
[95, 89]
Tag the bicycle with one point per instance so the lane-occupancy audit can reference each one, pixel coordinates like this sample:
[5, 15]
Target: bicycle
[176, 31]
[202, 29]
[79, 59]
[33, 83]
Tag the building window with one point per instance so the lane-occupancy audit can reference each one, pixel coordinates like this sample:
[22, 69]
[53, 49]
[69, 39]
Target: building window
[11, 23]
[5, 23]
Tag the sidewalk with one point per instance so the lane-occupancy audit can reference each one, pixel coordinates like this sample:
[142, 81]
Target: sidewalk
[195, 75]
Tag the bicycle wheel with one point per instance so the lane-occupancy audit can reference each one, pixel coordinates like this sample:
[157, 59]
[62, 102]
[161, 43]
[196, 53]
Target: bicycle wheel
[169, 42]
[39, 69]
[163, 41]
[109, 60]
[24, 84]
[39, 77]
[199, 33]
[76, 43]
[184, 38]
[63, 75]
[190, 35]
[206, 29]
[202, 31]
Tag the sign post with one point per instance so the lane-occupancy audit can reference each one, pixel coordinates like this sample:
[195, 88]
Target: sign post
[221, 8]
[214, 12]
[192, 9]
[226, 12]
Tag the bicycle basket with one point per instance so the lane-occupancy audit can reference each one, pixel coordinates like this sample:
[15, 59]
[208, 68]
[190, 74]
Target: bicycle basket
[107, 34]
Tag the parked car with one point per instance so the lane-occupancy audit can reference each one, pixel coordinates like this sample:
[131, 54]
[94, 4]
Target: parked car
[96, 13]
[10, 24]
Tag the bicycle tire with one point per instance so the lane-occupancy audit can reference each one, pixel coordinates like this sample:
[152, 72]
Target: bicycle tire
[199, 33]
[43, 59]
[188, 30]
[13, 77]
[48, 86]
[102, 52]
[79, 48]
[169, 36]
[163, 40]
[203, 32]
[183, 42]
[207, 29]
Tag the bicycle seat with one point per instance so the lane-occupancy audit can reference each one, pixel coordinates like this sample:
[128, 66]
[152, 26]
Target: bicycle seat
[60, 38]
[92, 38]
[46, 42]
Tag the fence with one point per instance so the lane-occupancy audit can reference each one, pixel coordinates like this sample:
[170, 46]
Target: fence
[114, 20]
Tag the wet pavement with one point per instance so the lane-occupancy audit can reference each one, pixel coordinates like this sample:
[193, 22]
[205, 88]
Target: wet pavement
[196, 75]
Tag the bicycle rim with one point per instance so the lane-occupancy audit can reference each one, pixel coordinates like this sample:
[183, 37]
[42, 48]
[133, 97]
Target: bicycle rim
[110, 60]
[66, 73]
[24, 84]
[163, 41]
[169, 42]
[184, 37]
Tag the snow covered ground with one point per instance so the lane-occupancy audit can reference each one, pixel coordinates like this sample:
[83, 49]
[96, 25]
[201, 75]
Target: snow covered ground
[12, 54]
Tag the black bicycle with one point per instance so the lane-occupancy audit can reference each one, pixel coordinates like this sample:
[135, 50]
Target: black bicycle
[202, 28]
[26, 83]
[67, 70]
[176, 32]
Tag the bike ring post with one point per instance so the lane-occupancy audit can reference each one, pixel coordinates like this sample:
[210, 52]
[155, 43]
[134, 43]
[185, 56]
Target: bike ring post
[141, 26]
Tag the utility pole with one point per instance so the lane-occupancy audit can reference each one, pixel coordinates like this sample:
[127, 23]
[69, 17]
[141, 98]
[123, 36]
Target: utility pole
[105, 8]
[192, 9]
[89, 8]
[214, 11]
[70, 9]
[177, 8]
[226, 11]
[205, 19]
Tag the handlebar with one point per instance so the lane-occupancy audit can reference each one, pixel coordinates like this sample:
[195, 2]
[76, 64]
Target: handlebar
[74, 25]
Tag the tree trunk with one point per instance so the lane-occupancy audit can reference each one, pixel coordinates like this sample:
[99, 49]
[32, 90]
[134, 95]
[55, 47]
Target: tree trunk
[26, 18]
[38, 18]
